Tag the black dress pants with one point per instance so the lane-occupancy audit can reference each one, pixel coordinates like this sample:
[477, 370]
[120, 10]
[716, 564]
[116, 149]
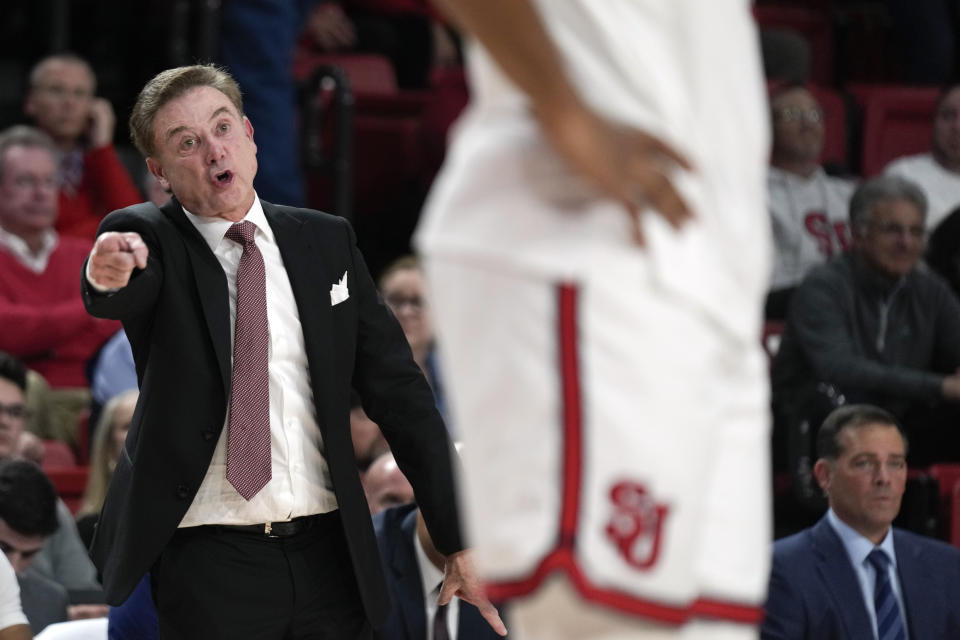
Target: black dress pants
[215, 582]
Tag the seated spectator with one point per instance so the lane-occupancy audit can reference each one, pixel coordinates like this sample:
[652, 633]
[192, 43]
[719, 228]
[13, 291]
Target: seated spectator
[43, 318]
[63, 558]
[408, 32]
[385, 485]
[403, 288]
[808, 208]
[937, 172]
[113, 373]
[108, 439]
[61, 101]
[28, 516]
[873, 327]
[13, 624]
[852, 575]
[414, 571]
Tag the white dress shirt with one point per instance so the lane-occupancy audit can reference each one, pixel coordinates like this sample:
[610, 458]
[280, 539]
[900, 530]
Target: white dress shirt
[36, 262]
[300, 483]
[430, 581]
[858, 548]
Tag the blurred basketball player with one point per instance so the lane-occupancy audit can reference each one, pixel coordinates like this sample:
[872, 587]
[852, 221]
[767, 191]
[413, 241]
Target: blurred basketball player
[597, 247]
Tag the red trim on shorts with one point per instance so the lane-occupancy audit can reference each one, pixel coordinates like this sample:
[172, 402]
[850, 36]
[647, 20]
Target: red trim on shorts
[572, 427]
[563, 557]
[564, 560]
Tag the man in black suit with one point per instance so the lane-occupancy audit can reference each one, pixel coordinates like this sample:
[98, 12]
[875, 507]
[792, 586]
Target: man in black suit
[237, 488]
[414, 570]
[852, 575]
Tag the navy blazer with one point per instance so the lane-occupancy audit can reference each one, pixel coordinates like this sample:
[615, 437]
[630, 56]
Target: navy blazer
[395, 528]
[176, 315]
[815, 594]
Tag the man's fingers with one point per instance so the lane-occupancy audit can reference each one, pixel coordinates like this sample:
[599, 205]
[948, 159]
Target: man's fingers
[115, 255]
[492, 616]
[637, 224]
[663, 148]
[474, 596]
[128, 243]
[137, 247]
[658, 192]
[447, 590]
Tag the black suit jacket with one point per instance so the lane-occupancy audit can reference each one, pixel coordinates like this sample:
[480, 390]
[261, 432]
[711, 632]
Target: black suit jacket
[176, 315]
[814, 592]
[407, 618]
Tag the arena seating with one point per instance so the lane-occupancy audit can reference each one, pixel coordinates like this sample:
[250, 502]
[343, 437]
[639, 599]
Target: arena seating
[896, 122]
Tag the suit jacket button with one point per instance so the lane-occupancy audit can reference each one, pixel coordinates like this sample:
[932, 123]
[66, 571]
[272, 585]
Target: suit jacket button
[183, 491]
[208, 435]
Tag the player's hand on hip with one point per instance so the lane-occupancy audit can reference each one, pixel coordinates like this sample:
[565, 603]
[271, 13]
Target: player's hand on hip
[627, 164]
[460, 579]
[115, 255]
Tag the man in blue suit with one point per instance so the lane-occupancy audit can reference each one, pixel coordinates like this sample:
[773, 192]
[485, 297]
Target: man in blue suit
[413, 568]
[852, 575]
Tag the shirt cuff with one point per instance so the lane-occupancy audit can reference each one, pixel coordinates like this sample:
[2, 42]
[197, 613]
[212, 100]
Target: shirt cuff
[96, 285]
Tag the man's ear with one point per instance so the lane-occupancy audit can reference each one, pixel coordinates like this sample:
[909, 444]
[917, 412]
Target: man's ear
[157, 170]
[248, 129]
[822, 472]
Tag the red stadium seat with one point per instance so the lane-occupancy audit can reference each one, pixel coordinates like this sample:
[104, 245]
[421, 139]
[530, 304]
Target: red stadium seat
[57, 454]
[70, 483]
[368, 73]
[897, 121]
[948, 476]
[813, 25]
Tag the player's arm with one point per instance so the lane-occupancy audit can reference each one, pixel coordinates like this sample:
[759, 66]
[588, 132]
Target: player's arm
[16, 632]
[629, 165]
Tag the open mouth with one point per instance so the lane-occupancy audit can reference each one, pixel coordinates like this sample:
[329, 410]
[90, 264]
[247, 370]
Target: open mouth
[223, 178]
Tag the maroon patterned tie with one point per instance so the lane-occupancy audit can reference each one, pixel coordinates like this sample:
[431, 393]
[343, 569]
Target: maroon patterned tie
[248, 442]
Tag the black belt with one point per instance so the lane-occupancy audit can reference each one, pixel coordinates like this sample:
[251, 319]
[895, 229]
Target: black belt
[273, 529]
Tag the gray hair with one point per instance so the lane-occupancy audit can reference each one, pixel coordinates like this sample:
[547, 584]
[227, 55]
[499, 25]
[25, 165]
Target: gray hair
[169, 85]
[879, 189]
[24, 136]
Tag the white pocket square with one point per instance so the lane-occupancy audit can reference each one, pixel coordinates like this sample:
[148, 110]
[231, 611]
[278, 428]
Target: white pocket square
[339, 291]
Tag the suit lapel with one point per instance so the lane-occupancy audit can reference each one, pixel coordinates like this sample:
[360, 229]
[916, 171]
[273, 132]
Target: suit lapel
[407, 574]
[211, 285]
[839, 579]
[922, 606]
[303, 259]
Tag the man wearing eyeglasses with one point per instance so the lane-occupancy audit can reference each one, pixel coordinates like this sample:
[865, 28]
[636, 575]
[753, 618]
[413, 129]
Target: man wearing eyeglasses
[873, 327]
[62, 102]
[808, 208]
[852, 575]
[45, 554]
[43, 319]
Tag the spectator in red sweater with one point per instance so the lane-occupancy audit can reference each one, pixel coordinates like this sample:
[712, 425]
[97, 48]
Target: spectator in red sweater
[61, 101]
[43, 319]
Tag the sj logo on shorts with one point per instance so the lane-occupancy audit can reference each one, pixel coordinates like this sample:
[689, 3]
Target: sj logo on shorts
[636, 526]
